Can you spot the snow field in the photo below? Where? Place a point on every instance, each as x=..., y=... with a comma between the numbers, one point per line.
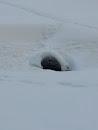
x=40, y=101
x=33, y=98
x=19, y=42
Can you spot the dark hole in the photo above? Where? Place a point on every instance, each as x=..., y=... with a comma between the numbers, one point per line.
x=51, y=63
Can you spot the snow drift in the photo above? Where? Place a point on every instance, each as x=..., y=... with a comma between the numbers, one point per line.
x=31, y=98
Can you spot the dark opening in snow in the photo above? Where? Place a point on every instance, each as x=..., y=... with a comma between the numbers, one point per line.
x=51, y=63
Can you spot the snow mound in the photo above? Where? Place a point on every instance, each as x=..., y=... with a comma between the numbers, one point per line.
x=64, y=60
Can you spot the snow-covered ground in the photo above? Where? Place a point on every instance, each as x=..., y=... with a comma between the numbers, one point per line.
x=33, y=98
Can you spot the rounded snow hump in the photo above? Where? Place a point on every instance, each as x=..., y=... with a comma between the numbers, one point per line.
x=52, y=61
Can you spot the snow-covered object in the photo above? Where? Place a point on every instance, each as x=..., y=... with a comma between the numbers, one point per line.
x=51, y=63
x=64, y=61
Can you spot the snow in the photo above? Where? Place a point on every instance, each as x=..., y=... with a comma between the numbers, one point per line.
x=29, y=101
x=64, y=61
x=33, y=98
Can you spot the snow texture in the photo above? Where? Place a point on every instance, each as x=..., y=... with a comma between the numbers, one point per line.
x=33, y=98
x=64, y=61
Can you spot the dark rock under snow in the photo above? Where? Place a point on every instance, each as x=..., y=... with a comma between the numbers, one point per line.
x=51, y=63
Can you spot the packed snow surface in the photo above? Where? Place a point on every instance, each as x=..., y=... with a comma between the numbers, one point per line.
x=33, y=98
